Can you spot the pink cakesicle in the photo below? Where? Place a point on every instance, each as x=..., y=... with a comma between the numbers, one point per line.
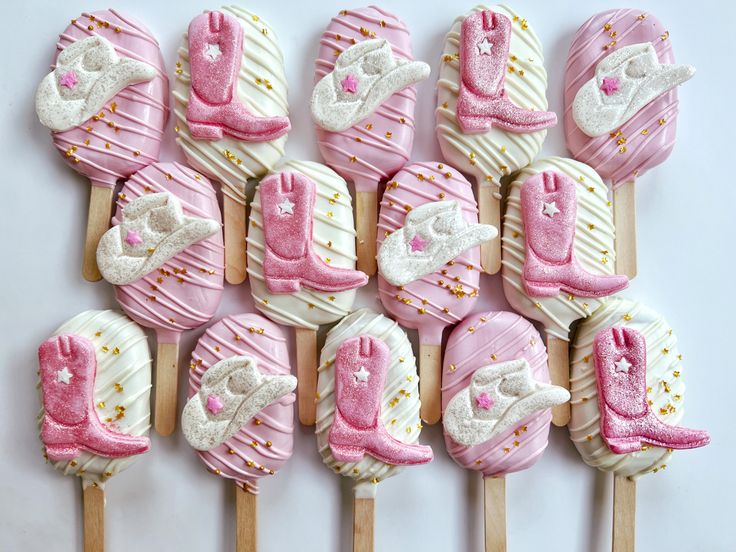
x=182, y=293
x=266, y=441
x=621, y=107
x=445, y=295
x=124, y=134
x=375, y=148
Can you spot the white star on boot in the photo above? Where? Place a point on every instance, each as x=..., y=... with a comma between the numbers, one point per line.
x=64, y=375
x=286, y=207
x=484, y=47
x=550, y=209
x=212, y=51
x=362, y=374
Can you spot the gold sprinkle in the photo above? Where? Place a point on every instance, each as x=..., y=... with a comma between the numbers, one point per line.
x=627, y=317
x=662, y=121
x=118, y=387
x=269, y=444
x=645, y=131
x=389, y=134
x=105, y=348
x=402, y=120
x=494, y=357
x=116, y=351
x=101, y=404
x=665, y=351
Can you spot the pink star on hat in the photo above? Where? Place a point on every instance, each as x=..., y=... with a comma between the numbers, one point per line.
x=133, y=238
x=214, y=404
x=610, y=85
x=69, y=79
x=484, y=401
x=417, y=243
x=349, y=84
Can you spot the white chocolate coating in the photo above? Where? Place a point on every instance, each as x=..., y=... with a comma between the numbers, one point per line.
x=261, y=87
x=333, y=240
x=665, y=388
x=593, y=246
x=399, y=406
x=497, y=152
x=123, y=380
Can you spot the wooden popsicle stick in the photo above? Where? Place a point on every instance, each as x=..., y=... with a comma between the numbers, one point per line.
x=489, y=212
x=235, y=228
x=624, y=219
x=93, y=498
x=366, y=223
x=494, y=502
x=624, y=514
x=167, y=376
x=363, y=522
x=559, y=374
x=246, y=521
x=430, y=375
x=306, y=374
x=98, y=222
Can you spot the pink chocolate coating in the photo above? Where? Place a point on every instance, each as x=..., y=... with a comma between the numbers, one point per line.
x=272, y=429
x=496, y=337
x=125, y=135
x=379, y=145
x=646, y=139
x=185, y=292
x=446, y=296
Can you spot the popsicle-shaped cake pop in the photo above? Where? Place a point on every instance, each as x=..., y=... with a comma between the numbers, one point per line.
x=429, y=260
x=240, y=413
x=627, y=400
x=368, y=409
x=231, y=110
x=95, y=382
x=105, y=102
x=496, y=401
x=165, y=257
x=621, y=107
x=558, y=256
x=301, y=259
x=491, y=112
x=363, y=107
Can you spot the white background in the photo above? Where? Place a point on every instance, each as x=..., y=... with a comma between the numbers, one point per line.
x=167, y=501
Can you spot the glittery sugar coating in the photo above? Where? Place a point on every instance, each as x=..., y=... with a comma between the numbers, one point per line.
x=70, y=422
x=646, y=139
x=445, y=296
x=624, y=83
x=290, y=262
x=627, y=422
x=549, y=209
x=214, y=108
x=357, y=428
x=482, y=102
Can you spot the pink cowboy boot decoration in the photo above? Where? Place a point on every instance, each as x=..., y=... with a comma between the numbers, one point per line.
x=215, y=52
x=482, y=101
x=361, y=365
x=287, y=202
x=627, y=421
x=70, y=423
x=549, y=207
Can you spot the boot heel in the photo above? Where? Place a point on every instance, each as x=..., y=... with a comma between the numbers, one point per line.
x=475, y=125
x=624, y=445
x=204, y=131
x=535, y=289
x=343, y=453
x=283, y=286
x=61, y=452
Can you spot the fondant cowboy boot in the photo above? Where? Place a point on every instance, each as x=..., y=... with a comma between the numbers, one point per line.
x=549, y=207
x=215, y=52
x=482, y=102
x=627, y=420
x=361, y=365
x=70, y=423
x=287, y=204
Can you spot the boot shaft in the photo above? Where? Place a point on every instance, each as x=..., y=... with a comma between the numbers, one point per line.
x=215, y=51
x=361, y=365
x=549, y=208
x=621, y=367
x=67, y=368
x=484, y=49
x=287, y=204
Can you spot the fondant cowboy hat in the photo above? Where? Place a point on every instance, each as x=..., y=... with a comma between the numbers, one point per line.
x=88, y=74
x=365, y=75
x=232, y=392
x=433, y=234
x=153, y=229
x=624, y=82
x=499, y=396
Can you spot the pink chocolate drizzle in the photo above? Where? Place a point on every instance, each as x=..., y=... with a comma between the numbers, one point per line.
x=185, y=292
x=508, y=336
x=238, y=458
